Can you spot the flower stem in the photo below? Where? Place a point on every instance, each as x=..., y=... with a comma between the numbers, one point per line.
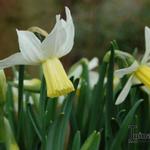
x=20, y=101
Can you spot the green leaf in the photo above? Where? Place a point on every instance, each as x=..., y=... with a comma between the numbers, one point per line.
x=51, y=110
x=35, y=122
x=115, y=45
x=109, y=100
x=29, y=135
x=98, y=101
x=42, y=105
x=83, y=102
x=76, y=141
x=9, y=108
x=58, y=129
x=92, y=142
x=124, y=127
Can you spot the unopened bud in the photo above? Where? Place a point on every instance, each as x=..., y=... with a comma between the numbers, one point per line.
x=32, y=85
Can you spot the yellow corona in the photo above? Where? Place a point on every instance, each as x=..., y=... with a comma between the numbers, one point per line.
x=56, y=78
x=143, y=74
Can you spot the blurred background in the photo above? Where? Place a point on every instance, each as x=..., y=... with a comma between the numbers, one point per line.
x=97, y=22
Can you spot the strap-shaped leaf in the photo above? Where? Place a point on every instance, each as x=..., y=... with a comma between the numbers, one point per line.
x=76, y=141
x=92, y=142
x=121, y=135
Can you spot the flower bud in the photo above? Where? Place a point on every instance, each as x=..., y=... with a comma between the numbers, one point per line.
x=32, y=85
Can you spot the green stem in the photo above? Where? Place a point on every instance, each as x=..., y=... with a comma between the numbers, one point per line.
x=109, y=101
x=20, y=89
x=20, y=101
x=43, y=103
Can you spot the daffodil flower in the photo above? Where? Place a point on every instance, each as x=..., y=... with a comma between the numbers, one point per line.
x=139, y=71
x=58, y=43
x=76, y=70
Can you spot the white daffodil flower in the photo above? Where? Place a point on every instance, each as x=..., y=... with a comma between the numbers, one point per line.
x=76, y=71
x=47, y=53
x=139, y=71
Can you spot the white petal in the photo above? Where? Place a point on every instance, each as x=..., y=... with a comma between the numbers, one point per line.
x=15, y=59
x=93, y=78
x=122, y=96
x=60, y=41
x=93, y=63
x=76, y=73
x=70, y=34
x=55, y=40
x=57, y=18
x=121, y=72
x=145, y=89
x=30, y=46
x=147, y=45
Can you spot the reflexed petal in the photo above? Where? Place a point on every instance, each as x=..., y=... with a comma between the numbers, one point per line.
x=93, y=78
x=122, y=96
x=60, y=41
x=70, y=34
x=147, y=43
x=76, y=72
x=54, y=42
x=93, y=63
x=15, y=59
x=30, y=46
x=121, y=72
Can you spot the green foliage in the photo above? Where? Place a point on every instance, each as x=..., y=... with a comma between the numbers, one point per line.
x=121, y=134
x=92, y=142
x=86, y=119
x=76, y=141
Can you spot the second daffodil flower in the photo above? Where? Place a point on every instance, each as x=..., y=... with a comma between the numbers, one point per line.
x=139, y=71
x=33, y=52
